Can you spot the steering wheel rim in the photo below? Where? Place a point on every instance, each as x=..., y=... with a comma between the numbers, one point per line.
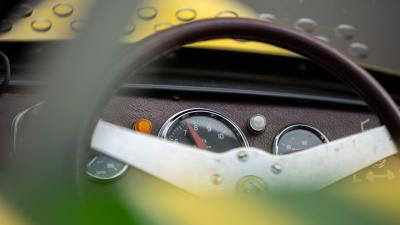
x=335, y=62
x=255, y=30
x=161, y=42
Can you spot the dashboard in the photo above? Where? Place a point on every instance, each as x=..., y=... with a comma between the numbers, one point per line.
x=286, y=127
x=237, y=113
x=212, y=100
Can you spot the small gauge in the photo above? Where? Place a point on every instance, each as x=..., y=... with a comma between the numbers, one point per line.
x=296, y=138
x=104, y=168
x=204, y=129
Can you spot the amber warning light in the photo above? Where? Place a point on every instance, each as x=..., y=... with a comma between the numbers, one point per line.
x=143, y=126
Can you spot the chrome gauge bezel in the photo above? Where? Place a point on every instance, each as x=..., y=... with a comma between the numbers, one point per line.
x=173, y=120
x=321, y=136
x=104, y=179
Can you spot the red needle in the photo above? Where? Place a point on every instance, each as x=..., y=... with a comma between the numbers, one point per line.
x=196, y=137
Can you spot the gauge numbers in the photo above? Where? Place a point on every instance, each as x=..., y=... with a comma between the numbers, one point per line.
x=104, y=168
x=296, y=138
x=204, y=129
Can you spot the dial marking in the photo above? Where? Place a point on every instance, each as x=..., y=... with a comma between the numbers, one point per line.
x=196, y=137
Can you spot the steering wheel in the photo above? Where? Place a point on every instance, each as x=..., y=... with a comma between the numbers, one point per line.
x=335, y=160
x=204, y=172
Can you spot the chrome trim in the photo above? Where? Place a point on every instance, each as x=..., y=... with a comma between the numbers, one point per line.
x=16, y=124
x=312, y=129
x=202, y=111
x=102, y=178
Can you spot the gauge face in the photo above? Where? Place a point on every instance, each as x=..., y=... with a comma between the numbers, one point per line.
x=105, y=168
x=296, y=138
x=204, y=129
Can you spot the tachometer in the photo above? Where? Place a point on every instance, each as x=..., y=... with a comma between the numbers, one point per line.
x=204, y=129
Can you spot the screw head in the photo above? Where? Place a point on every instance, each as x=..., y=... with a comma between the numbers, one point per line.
x=380, y=164
x=242, y=156
x=176, y=97
x=276, y=168
x=216, y=179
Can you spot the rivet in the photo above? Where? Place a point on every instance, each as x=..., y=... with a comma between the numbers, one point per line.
x=380, y=164
x=77, y=25
x=129, y=29
x=359, y=50
x=24, y=10
x=323, y=38
x=63, y=9
x=345, y=31
x=306, y=24
x=242, y=156
x=162, y=26
x=41, y=24
x=276, y=168
x=5, y=26
x=147, y=13
x=227, y=13
x=267, y=17
x=216, y=179
x=186, y=14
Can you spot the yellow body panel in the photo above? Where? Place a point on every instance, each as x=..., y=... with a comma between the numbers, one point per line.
x=143, y=23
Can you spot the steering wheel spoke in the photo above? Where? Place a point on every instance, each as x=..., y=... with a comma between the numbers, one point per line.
x=181, y=165
x=318, y=167
x=202, y=172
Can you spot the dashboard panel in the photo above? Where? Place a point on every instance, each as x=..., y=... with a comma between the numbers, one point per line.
x=317, y=121
x=285, y=91
x=334, y=122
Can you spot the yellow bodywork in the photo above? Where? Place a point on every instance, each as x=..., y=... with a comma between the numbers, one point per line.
x=55, y=24
x=51, y=21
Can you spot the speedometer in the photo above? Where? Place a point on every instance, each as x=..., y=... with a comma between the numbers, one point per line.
x=205, y=129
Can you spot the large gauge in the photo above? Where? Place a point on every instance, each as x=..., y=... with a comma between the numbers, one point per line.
x=204, y=129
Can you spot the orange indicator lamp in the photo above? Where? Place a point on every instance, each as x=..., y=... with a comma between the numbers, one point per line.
x=143, y=126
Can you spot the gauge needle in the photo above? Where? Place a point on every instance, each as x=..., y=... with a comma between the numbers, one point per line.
x=196, y=137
